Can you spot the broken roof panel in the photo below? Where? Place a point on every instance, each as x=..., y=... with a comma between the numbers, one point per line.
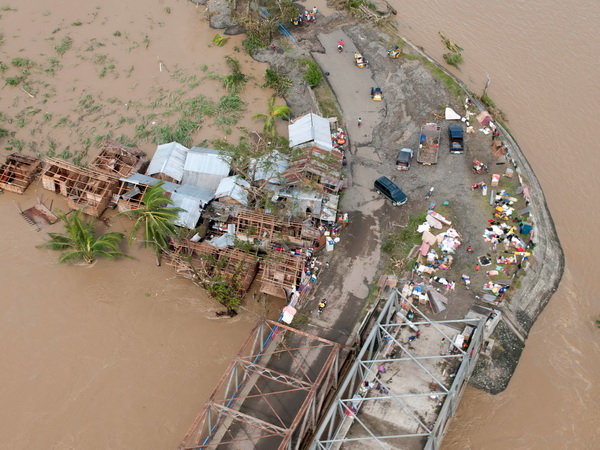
x=310, y=128
x=271, y=167
x=169, y=160
x=235, y=188
x=190, y=198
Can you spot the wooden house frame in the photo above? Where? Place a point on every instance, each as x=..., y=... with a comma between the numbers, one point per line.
x=86, y=189
x=207, y=258
x=117, y=159
x=317, y=166
x=262, y=226
x=17, y=173
x=130, y=196
x=281, y=274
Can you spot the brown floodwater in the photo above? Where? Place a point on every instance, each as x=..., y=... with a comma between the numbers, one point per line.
x=122, y=354
x=542, y=59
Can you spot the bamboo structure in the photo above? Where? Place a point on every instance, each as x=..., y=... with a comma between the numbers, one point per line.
x=86, y=189
x=191, y=258
x=262, y=226
x=319, y=166
x=117, y=159
x=17, y=173
x=281, y=274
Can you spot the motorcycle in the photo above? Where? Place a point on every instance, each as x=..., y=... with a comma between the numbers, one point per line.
x=321, y=307
x=429, y=194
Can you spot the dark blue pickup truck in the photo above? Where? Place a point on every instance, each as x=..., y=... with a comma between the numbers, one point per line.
x=457, y=143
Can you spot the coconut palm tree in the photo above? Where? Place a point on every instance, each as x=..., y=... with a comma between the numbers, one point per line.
x=275, y=112
x=79, y=242
x=157, y=217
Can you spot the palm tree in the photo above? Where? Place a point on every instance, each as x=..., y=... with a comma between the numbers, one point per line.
x=275, y=112
x=79, y=242
x=157, y=216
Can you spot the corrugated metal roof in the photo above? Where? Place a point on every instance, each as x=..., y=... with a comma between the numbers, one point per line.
x=310, y=128
x=233, y=187
x=169, y=159
x=271, y=167
x=190, y=198
x=206, y=160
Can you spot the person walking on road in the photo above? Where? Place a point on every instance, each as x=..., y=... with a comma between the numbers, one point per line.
x=359, y=121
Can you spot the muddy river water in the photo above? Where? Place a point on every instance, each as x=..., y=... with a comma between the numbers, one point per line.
x=542, y=59
x=123, y=355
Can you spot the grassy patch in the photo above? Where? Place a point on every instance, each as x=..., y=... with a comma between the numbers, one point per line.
x=441, y=75
x=327, y=101
x=400, y=241
x=312, y=72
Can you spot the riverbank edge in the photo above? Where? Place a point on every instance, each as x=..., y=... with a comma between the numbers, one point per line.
x=543, y=274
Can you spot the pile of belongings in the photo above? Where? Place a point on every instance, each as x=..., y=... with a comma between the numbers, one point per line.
x=503, y=205
x=502, y=233
x=496, y=289
x=506, y=259
x=449, y=241
x=414, y=292
x=338, y=138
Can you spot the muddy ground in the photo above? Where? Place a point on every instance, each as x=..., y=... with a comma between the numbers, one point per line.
x=413, y=96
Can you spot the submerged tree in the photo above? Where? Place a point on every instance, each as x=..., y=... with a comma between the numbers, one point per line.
x=275, y=112
x=156, y=215
x=79, y=242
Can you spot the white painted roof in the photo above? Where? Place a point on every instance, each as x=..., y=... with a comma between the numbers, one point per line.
x=310, y=128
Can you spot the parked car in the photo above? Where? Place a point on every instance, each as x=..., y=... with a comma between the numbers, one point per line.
x=389, y=189
x=404, y=159
x=455, y=133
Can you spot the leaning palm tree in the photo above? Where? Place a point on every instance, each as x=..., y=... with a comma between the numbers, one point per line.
x=157, y=216
x=275, y=112
x=79, y=242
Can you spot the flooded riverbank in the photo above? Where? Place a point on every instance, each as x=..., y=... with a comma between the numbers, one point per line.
x=548, y=94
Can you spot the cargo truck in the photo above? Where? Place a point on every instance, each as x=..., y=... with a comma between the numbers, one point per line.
x=429, y=144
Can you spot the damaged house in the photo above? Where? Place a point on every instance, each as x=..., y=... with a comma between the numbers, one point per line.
x=17, y=173
x=315, y=162
x=193, y=259
x=117, y=159
x=189, y=198
x=86, y=189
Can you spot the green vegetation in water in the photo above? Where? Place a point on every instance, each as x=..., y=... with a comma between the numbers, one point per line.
x=236, y=79
x=14, y=81
x=22, y=62
x=312, y=73
x=65, y=45
x=453, y=59
x=79, y=242
x=220, y=40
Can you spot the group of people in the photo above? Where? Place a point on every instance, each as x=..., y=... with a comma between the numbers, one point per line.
x=308, y=16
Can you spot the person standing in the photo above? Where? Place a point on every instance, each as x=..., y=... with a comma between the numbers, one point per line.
x=359, y=121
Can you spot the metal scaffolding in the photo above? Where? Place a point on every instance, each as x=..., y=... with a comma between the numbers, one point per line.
x=403, y=386
x=272, y=393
